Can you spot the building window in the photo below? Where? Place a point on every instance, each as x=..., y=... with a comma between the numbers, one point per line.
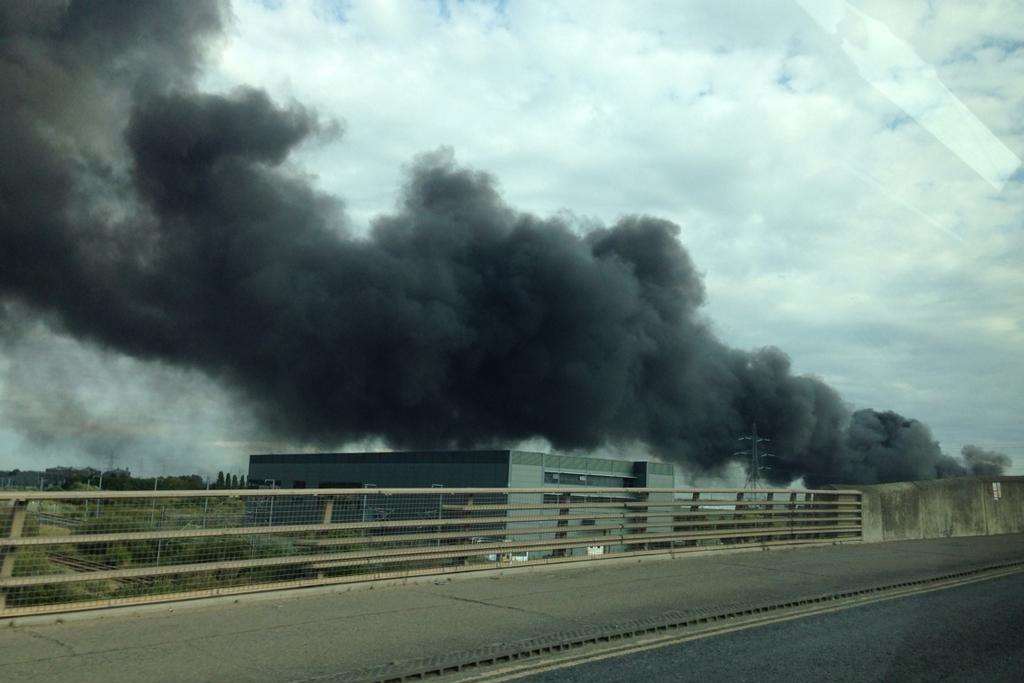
x=570, y=479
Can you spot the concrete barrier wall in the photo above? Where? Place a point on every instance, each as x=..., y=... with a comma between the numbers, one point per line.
x=943, y=508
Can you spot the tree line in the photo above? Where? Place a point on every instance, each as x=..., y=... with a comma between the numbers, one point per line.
x=226, y=480
x=89, y=478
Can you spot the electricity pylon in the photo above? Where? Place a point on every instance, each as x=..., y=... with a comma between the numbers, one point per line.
x=757, y=456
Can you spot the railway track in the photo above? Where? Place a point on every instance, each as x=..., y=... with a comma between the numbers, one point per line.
x=81, y=565
x=58, y=520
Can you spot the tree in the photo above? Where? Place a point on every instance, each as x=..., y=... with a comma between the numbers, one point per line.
x=220, y=481
x=234, y=481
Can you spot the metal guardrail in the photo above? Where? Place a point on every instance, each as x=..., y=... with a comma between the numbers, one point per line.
x=64, y=551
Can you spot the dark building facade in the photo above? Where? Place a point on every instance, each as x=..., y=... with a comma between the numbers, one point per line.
x=453, y=469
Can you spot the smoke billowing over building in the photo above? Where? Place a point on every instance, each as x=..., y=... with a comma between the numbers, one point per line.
x=145, y=216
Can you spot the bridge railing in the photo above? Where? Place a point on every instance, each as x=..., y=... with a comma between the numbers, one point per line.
x=65, y=551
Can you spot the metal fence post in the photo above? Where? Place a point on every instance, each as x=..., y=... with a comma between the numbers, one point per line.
x=468, y=528
x=326, y=519
x=563, y=499
x=206, y=504
x=160, y=541
x=440, y=510
x=18, y=510
x=860, y=515
x=792, y=510
x=695, y=498
x=680, y=522
x=328, y=510
x=639, y=530
x=769, y=510
x=814, y=519
x=738, y=514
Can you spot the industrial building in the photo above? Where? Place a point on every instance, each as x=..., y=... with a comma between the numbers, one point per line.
x=453, y=469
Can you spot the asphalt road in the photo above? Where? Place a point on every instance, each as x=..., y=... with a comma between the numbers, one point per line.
x=969, y=633
x=301, y=635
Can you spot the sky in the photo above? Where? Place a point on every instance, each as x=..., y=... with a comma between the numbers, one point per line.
x=850, y=192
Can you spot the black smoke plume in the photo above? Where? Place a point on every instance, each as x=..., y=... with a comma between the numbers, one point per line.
x=164, y=223
x=983, y=463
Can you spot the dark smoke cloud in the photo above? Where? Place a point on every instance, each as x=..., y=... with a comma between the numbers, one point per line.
x=185, y=237
x=889, y=447
x=983, y=463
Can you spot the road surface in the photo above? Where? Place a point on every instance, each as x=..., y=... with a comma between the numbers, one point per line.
x=969, y=633
x=307, y=634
